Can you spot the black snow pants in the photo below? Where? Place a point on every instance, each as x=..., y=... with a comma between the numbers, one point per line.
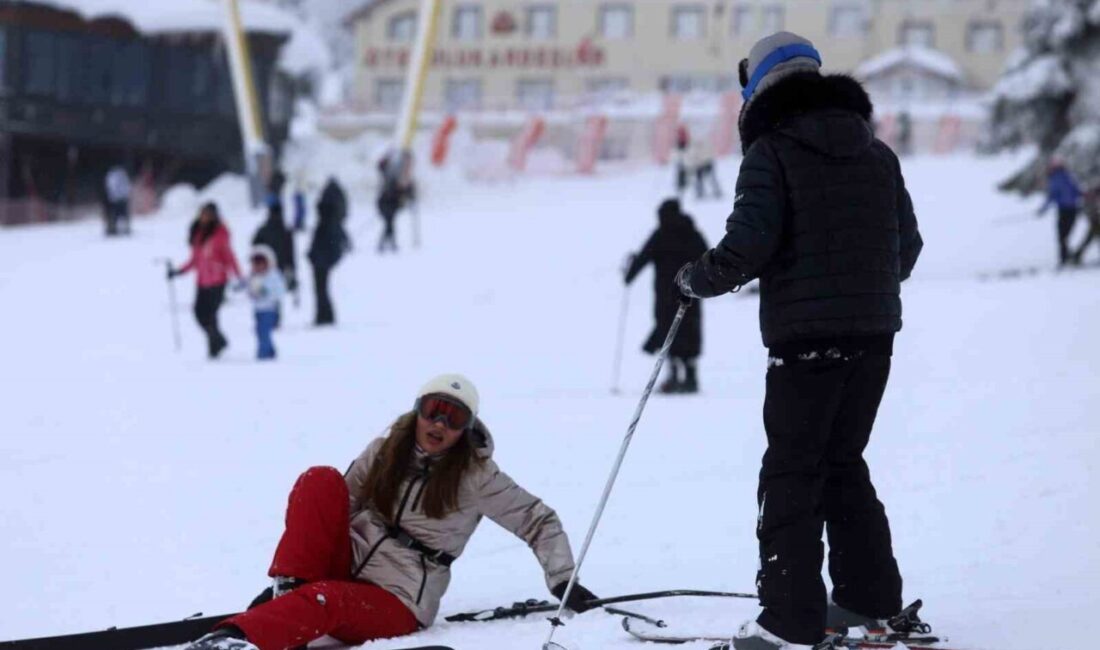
x=819, y=409
x=207, y=302
x=1066, y=218
x=325, y=313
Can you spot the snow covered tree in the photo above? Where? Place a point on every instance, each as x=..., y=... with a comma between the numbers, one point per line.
x=1049, y=95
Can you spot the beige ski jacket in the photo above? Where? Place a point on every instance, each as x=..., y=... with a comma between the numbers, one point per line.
x=411, y=575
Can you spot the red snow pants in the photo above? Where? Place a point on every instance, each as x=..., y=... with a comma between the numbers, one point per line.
x=316, y=547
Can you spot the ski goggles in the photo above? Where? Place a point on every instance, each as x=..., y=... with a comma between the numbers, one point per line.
x=437, y=408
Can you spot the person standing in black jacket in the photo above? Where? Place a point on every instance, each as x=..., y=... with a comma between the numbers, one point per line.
x=823, y=219
x=275, y=234
x=330, y=242
x=674, y=243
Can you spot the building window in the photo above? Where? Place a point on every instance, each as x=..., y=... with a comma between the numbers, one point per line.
x=741, y=20
x=535, y=94
x=682, y=84
x=3, y=57
x=847, y=21
x=984, y=36
x=617, y=21
x=606, y=87
x=402, y=27
x=38, y=63
x=463, y=94
x=130, y=72
x=466, y=23
x=917, y=33
x=68, y=74
x=688, y=22
x=388, y=94
x=542, y=21
x=771, y=21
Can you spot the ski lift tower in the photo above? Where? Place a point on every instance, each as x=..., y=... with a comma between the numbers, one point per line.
x=417, y=73
x=257, y=153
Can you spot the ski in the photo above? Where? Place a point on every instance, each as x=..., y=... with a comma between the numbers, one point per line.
x=126, y=638
x=534, y=606
x=851, y=643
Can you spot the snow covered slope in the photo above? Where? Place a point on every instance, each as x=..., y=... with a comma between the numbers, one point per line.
x=142, y=485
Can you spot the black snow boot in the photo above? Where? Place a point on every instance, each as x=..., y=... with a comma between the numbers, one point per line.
x=905, y=623
x=691, y=379
x=672, y=383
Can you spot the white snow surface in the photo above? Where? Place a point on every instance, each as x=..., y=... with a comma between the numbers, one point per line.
x=925, y=58
x=143, y=485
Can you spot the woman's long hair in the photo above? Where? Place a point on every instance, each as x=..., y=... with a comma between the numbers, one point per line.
x=204, y=231
x=393, y=464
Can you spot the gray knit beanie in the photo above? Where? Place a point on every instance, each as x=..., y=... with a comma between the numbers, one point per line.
x=774, y=57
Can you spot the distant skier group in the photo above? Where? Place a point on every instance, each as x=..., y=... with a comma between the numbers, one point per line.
x=272, y=269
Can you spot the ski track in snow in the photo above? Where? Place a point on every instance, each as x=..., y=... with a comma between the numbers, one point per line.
x=141, y=485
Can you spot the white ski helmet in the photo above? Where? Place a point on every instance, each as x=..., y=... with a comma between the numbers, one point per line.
x=453, y=385
x=266, y=252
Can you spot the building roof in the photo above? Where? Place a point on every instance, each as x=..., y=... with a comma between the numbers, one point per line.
x=923, y=58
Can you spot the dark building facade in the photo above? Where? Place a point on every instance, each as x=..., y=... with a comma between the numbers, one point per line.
x=79, y=96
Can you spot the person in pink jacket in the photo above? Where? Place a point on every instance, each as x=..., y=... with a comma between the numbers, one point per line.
x=213, y=262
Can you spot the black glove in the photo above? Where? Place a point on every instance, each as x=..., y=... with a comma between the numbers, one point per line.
x=683, y=283
x=172, y=273
x=578, y=598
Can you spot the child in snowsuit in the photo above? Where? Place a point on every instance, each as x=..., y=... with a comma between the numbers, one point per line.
x=265, y=289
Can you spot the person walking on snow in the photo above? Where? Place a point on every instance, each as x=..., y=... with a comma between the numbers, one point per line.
x=368, y=555
x=330, y=242
x=823, y=219
x=701, y=161
x=213, y=261
x=275, y=235
x=1062, y=192
x=674, y=243
x=118, y=188
x=266, y=289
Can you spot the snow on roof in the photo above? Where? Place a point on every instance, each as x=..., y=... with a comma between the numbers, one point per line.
x=151, y=17
x=304, y=51
x=915, y=55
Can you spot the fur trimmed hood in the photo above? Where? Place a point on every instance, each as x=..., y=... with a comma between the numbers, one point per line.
x=842, y=98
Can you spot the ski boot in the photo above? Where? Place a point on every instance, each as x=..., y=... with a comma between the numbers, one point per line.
x=752, y=636
x=279, y=586
x=906, y=624
x=690, y=386
x=227, y=638
x=671, y=385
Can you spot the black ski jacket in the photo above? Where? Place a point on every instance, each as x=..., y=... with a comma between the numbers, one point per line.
x=821, y=216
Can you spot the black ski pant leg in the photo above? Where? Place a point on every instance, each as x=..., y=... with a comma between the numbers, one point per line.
x=864, y=572
x=1066, y=219
x=207, y=302
x=325, y=314
x=800, y=406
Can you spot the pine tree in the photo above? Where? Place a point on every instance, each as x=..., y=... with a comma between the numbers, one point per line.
x=1049, y=95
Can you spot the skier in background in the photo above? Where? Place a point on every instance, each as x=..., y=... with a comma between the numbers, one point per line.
x=674, y=243
x=118, y=189
x=380, y=568
x=330, y=242
x=396, y=189
x=213, y=260
x=683, y=142
x=701, y=161
x=1062, y=192
x=823, y=219
x=265, y=289
x=275, y=235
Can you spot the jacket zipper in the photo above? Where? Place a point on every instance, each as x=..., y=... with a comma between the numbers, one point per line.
x=400, y=511
x=423, y=578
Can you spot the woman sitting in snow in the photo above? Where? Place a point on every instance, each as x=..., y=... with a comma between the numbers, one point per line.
x=379, y=568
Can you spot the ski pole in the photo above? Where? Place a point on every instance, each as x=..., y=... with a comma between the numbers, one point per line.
x=555, y=622
x=617, y=368
x=416, y=221
x=172, y=306
x=535, y=606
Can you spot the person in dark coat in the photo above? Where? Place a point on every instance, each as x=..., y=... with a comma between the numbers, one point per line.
x=823, y=219
x=277, y=236
x=1062, y=192
x=330, y=242
x=397, y=189
x=674, y=243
